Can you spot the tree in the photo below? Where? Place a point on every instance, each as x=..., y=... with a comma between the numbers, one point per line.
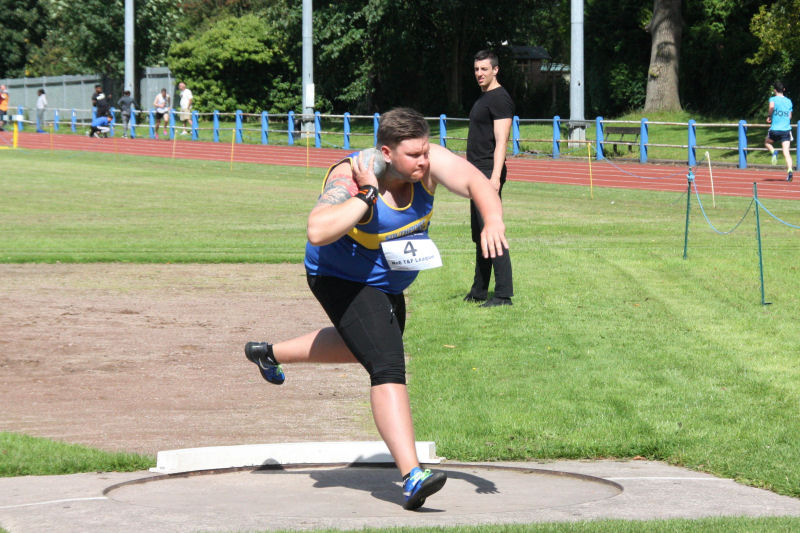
x=383, y=53
x=716, y=77
x=86, y=37
x=23, y=27
x=239, y=63
x=617, y=53
x=776, y=28
x=201, y=14
x=665, y=28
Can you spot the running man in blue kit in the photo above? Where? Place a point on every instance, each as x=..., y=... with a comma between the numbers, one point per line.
x=779, y=117
x=367, y=241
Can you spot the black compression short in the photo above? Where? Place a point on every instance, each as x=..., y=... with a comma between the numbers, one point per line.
x=370, y=321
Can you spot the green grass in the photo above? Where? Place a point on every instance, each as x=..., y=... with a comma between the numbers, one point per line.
x=728, y=525
x=81, y=208
x=615, y=346
x=21, y=455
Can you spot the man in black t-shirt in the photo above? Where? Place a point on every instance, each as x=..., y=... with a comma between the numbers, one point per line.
x=101, y=104
x=489, y=130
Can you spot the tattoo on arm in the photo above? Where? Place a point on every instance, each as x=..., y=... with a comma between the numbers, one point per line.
x=338, y=189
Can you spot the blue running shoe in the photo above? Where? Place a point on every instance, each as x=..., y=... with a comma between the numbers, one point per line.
x=789, y=176
x=260, y=353
x=421, y=484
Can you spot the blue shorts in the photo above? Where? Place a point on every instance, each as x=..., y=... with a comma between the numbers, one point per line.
x=780, y=136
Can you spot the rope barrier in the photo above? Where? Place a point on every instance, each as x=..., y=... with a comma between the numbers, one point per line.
x=678, y=173
x=702, y=210
x=762, y=206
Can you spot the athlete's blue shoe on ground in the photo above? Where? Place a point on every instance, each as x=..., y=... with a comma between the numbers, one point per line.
x=421, y=484
x=260, y=353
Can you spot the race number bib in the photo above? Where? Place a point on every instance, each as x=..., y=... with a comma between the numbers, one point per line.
x=411, y=254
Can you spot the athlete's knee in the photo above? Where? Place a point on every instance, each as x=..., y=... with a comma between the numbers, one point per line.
x=389, y=372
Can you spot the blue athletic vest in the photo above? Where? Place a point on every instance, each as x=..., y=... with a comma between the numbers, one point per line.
x=781, y=114
x=358, y=256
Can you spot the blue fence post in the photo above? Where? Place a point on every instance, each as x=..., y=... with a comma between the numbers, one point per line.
x=556, y=136
x=797, y=148
x=692, y=142
x=113, y=119
x=239, y=126
x=132, y=122
x=443, y=130
x=376, y=119
x=20, y=116
x=215, y=125
x=290, y=128
x=515, y=135
x=55, y=120
x=73, y=120
x=644, y=140
x=152, y=116
x=171, y=124
x=346, y=130
x=600, y=138
x=195, y=125
x=264, y=127
x=317, y=130
x=94, y=112
x=742, y=144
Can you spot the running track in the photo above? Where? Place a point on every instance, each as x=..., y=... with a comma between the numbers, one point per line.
x=727, y=181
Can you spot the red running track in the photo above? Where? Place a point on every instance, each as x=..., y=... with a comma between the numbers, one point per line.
x=727, y=181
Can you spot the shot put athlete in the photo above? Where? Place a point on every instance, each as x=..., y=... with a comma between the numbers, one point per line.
x=367, y=241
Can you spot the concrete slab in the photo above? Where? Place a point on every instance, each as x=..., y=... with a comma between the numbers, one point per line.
x=291, y=453
x=306, y=498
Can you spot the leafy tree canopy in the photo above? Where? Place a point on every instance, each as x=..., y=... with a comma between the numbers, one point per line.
x=22, y=28
x=88, y=36
x=239, y=63
x=370, y=55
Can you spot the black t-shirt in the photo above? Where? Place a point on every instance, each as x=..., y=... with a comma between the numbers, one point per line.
x=492, y=105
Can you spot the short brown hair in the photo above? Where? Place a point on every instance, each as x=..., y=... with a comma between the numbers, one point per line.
x=399, y=124
x=487, y=54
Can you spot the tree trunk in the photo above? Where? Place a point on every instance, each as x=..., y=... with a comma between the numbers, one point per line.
x=453, y=78
x=662, y=76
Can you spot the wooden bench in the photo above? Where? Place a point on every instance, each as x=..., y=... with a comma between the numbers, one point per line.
x=622, y=131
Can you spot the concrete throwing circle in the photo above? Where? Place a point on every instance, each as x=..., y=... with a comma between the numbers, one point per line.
x=349, y=496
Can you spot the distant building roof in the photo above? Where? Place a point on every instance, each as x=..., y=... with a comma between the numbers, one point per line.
x=529, y=52
x=555, y=67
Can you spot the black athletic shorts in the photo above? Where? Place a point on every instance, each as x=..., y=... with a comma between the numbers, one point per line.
x=370, y=321
x=780, y=136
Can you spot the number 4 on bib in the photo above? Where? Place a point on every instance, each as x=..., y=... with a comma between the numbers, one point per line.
x=411, y=254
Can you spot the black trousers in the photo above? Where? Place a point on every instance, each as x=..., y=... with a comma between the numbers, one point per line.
x=503, y=278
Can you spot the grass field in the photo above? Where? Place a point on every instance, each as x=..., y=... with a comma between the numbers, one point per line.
x=615, y=347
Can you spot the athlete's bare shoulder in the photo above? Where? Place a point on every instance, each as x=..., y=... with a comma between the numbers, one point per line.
x=340, y=185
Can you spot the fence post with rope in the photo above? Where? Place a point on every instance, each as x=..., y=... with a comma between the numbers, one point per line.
x=689, y=180
x=760, y=255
